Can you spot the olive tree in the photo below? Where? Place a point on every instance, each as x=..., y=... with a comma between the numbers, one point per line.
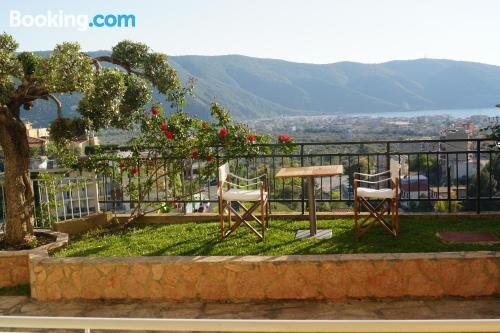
x=111, y=96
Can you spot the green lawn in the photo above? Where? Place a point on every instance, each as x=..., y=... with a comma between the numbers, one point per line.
x=202, y=239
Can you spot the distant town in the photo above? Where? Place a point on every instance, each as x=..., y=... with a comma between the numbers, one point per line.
x=361, y=128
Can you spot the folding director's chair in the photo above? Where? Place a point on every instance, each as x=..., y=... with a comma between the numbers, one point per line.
x=388, y=201
x=230, y=193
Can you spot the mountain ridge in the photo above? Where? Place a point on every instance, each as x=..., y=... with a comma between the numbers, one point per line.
x=259, y=87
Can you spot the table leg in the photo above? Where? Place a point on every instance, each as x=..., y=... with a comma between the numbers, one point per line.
x=312, y=205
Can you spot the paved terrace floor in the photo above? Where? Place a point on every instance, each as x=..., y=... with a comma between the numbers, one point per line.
x=444, y=308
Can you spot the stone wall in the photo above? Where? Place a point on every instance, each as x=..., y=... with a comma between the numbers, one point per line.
x=261, y=278
x=14, y=269
x=84, y=224
x=14, y=265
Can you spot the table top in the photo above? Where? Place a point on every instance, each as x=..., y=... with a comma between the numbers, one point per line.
x=323, y=170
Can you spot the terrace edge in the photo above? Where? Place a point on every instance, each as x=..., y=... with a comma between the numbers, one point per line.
x=314, y=277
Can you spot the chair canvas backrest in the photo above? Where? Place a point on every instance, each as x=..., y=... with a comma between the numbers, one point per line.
x=394, y=169
x=223, y=172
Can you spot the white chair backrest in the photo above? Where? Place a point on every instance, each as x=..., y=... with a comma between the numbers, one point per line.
x=223, y=172
x=394, y=168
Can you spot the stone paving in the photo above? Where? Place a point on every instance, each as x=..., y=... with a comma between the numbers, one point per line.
x=429, y=308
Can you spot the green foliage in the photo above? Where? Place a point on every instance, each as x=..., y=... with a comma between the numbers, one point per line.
x=424, y=163
x=493, y=131
x=443, y=206
x=10, y=67
x=31, y=241
x=130, y=53
x=67, y=129
x=137, y=57
x=67, y=69
x=29, y=61
x=101, y=103
x=65, y=157
x=8, y=43
x=169, y=142
x=163, y=77
x=137, y=94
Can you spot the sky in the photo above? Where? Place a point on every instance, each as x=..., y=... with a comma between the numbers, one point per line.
x=310, y=31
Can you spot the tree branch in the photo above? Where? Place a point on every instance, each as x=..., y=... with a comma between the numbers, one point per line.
x=58, y=104
x=4, y=114
x=97, y=65
x=118, y=63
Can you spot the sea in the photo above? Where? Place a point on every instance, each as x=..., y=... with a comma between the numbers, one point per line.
x=459, y=113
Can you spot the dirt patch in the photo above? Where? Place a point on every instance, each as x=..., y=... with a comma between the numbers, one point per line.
x=41, y=239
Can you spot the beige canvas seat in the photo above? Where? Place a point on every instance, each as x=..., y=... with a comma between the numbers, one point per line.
x=387, y=205
x=252, y=190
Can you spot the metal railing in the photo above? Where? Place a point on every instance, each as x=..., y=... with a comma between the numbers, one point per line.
x=58, y=199
x=445, y=175
x=251, y=325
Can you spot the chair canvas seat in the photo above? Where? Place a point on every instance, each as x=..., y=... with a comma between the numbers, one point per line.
x=235, y=194
x=383, y=193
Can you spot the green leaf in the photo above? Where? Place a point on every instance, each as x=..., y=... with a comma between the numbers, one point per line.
x=101, y=104
x=67, y=69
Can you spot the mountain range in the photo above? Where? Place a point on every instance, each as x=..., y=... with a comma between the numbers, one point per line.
x=260, y=88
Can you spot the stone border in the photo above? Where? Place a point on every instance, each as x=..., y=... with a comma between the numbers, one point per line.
x=315, y=277
x=61, y=240
x=84, y=224
x=14, y=265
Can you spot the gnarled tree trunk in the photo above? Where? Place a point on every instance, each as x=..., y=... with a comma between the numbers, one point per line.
x=18, y=187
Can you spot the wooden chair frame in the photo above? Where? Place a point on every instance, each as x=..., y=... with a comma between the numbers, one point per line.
x=379, y=212
x=248, y=213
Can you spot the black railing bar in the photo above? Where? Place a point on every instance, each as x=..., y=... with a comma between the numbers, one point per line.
x=336, y=143
x=318, y=200
x=340, y=154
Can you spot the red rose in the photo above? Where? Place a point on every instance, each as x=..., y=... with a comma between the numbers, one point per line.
x=155, y=111
x=134, y=170
x=163, y=126
x=251, y=138
x=175, y=204
x=284, y=138
x=204, y=124
x=169, y=135
x=123, y=165
x=195, y=154
x=208, y=158
x=223, y=132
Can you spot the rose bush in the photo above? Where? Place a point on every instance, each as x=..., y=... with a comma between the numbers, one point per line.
x=172, y=141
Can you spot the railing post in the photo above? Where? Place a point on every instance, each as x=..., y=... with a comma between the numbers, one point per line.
x=387, y=155
x=217, y=180
x=303, y=201
x=448, y=180
x=96, y=193
x=478, y=177
x=388, y=160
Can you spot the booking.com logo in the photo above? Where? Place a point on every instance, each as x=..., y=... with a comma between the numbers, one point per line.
x=61, y=20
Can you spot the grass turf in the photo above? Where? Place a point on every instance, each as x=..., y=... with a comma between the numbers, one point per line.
x=203, y=239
